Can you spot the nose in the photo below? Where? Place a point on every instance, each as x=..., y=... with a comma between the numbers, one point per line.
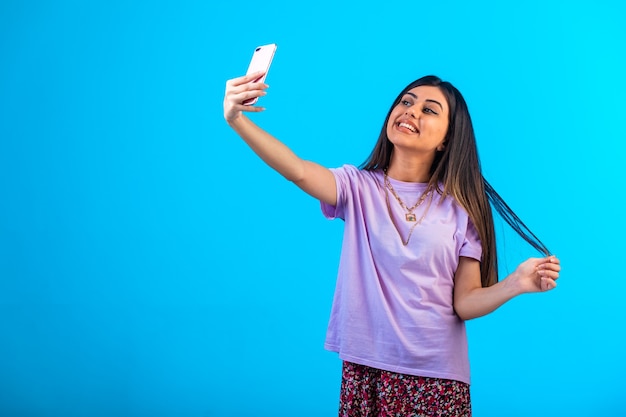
x=410, y=112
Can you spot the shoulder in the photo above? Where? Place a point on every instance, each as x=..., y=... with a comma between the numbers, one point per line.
x=450, y=205
x=354, y=173
x=347, y=169
x=355, y=181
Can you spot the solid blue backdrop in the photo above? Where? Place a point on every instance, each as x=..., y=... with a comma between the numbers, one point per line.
x=151, y=265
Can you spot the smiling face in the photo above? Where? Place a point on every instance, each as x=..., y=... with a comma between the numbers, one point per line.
x=420, y=121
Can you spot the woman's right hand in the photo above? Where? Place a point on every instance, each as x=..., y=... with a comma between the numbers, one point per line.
x=239, y=90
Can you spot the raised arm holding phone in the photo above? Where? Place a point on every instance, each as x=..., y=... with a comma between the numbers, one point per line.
x=419, y=251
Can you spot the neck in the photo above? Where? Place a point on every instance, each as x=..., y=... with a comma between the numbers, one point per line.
x=409, y=169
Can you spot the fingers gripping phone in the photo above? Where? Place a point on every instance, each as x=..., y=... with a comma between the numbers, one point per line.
x=261, y=61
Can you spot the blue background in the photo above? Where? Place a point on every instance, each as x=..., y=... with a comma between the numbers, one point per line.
x=151, y=265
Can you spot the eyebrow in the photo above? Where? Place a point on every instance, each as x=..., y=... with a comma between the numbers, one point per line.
x=428, y=99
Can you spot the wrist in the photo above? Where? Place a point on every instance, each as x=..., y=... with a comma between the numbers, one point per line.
x=512, y=284
x=232, y=121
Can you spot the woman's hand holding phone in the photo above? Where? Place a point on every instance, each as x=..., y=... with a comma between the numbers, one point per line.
x=243, y=92
x=239, y=91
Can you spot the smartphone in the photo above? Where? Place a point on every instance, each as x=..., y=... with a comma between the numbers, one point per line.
x=261, y=61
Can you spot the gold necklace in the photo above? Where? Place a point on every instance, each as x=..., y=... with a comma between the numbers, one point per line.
x=409, y=215
x=420, y=201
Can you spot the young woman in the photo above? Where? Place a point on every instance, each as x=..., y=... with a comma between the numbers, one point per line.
x=419, y=251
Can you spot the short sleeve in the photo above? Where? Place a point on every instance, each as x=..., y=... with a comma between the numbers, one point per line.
x=471, y=247
x=342, y=181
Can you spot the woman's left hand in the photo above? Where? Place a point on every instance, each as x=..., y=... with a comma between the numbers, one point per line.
x=537, y=274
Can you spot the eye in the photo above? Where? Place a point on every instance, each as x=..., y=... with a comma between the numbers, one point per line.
x=406, y=102
x=429, y=110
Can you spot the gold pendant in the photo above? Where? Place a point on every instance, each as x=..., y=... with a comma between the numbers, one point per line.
x=410, y=217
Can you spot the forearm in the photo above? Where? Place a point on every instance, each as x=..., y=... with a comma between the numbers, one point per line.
x=276, y=154
x=471, y=300
x=484, y=300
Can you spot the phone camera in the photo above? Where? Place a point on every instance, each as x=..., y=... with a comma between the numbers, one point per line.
x=257, y=49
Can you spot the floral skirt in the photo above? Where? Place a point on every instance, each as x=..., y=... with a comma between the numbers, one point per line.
x=370, y=392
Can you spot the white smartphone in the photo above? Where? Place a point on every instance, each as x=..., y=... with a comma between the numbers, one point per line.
x=261, y=61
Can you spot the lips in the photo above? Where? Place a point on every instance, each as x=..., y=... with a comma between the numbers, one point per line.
x=406, y=125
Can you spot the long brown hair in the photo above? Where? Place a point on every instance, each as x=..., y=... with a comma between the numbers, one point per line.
x=457, y=167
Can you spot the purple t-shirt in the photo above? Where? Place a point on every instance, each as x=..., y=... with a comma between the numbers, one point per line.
x=392, y=308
